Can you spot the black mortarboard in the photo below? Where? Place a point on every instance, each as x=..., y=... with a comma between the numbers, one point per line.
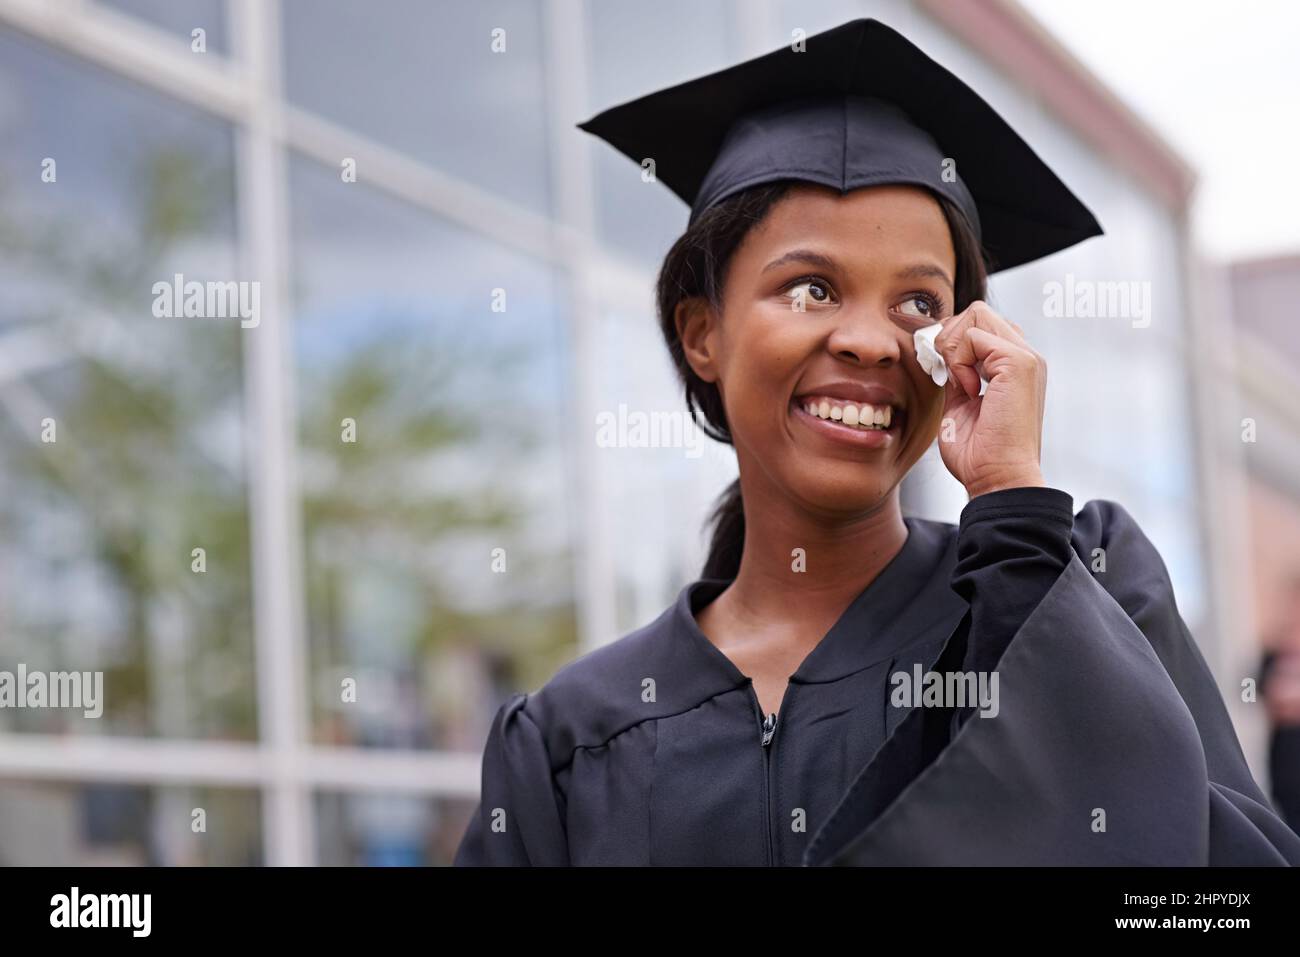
x=862, y=106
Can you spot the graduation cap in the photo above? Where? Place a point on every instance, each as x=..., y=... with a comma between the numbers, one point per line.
x=861, y=106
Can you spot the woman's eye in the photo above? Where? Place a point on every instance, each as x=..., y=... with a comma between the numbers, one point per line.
x=809, y=290
x=925, y=307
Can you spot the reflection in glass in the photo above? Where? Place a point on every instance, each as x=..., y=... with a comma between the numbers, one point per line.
x=181, y=17
x=389, y=830
x=490, y=132
x=627, y=55
x=432, y=430
x=120, y=432
x=113, y=825
x=662, y=488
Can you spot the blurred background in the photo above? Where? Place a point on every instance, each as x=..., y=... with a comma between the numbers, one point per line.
x=473, y=299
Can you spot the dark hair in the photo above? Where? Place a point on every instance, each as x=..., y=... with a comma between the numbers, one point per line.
x=697, y=266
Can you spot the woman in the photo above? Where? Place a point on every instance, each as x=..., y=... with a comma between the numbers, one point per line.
x=845, y=684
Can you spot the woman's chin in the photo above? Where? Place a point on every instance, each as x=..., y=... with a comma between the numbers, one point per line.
x=846, y=488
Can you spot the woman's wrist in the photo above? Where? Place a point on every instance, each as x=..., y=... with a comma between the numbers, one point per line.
x=1018, y=478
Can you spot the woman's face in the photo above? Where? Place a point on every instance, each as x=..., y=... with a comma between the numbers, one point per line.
x=867, y=269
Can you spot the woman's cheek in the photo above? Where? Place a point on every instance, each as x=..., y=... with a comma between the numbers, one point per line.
x=766, y=356
x=743, y=383
x=930, y=421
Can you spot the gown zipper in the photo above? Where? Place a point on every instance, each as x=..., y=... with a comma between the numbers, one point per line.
x=767, y=731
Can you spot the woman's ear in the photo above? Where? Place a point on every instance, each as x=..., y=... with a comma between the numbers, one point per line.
x=696, y=322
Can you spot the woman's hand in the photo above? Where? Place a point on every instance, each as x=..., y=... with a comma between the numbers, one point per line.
x=992, y=441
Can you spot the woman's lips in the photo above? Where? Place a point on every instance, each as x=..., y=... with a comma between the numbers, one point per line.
x=852, y=435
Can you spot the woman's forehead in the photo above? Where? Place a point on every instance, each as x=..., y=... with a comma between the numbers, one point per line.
x=886, y=219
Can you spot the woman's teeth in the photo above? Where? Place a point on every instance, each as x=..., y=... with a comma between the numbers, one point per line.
x=859, y=415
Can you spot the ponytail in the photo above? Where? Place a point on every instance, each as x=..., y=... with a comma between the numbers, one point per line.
x=728, y=539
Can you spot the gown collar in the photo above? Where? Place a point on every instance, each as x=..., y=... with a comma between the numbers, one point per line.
x=910, y=598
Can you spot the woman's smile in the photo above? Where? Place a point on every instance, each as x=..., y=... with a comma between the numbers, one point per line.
x=856, y=414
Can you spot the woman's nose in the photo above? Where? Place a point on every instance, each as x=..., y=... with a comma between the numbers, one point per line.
x=865, y=336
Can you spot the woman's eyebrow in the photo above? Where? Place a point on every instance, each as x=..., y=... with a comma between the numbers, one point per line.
x=820, y=261
x=802, y=256
x=924, y=271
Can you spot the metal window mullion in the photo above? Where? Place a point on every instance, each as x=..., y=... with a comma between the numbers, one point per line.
x=129, y=48
x=574, y=201
x=288, y=830
x=152, y=761
x=162, y=762
x=422, y=186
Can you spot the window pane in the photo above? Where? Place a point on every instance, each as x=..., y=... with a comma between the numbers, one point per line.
x=636, y=48
x=661, y=471
x=112, y=825
x=442, y=96
x=395, y=830
x=435, y=493
x=181, y=17
x=120, y=432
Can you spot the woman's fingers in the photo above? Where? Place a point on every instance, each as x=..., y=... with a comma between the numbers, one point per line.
x=1000, y=442
x=977, y=339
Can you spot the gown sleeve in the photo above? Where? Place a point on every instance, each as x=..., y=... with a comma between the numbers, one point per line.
x=518, y=821
x=1110, y=744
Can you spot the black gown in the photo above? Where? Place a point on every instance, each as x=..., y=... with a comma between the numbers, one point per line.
x=1110, y=743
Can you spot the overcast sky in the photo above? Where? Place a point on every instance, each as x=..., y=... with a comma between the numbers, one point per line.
x=1221, y=83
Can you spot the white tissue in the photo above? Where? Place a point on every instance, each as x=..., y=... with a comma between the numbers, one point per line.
x=928, y=356
x=931, y=362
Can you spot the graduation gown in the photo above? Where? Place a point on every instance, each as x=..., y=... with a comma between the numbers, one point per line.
x=1110, y=744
